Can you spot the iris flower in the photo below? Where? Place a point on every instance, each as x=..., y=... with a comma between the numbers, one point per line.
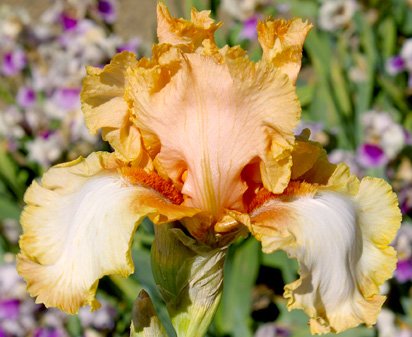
x=204, y=136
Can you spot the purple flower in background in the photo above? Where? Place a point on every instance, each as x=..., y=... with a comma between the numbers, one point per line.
x=107, y=10
x=249, y=28
x=371, y=155
x=9, y=309
x=130, y=45
x=67, y=98
x=395, y=65
x=68, y=22
x=101, y=319
x=2, y=333
x=408, y=137
x=47, y=332
x=405, y=200
x=272, y=330
x=282, y=332
x=26, y=97
x=13, y=62
x=403, y=272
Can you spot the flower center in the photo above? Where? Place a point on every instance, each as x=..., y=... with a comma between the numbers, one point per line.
x=138, y=176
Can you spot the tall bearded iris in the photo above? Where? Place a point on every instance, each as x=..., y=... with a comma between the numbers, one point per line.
x=203, y=141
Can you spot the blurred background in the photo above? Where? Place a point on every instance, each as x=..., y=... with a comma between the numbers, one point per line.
x=355, y=89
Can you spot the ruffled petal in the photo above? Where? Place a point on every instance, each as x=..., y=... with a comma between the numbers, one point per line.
x=224, y=115
x=282, y=43
x=78, y=226
x=310, y=161
x=177, y=31
x=341, y=241
x=105, y=107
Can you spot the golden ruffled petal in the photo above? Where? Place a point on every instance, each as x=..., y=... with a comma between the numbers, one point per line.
x=105, y=107
x=282, y=43
x=177, y=31
x=341, y=241
x=310, y=161
x=224, y=115
x=78, y=225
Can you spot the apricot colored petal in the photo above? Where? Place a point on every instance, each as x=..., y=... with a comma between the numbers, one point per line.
x=282, y=43
x=78, y=226
x=177, y=31
x=342, y=244
x=212, y=119
x=106, y=109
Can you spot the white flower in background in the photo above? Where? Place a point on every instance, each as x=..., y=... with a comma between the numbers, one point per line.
x=406, y=54
x=10, y=119
x=11, y=284
x=272, y=330
x=403, y=242
x=335, y=14
x=386, y=324
x=11, y=230
x=349, y=158
x=101, y=319
x=387, y=328
x=45, y=149
x=242, y=9
x=12, y=21
x=383, y=131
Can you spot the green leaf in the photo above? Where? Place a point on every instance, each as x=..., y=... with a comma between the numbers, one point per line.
x=9, y=174
x=73, y=325
x=364, y=90
x=241, y=270
x=387, y=33
x=394, y=93
x=8, y=209
x=340, y=88
x=305, y=94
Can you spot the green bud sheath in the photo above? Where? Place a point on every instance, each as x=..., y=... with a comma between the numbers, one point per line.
x=189, y=276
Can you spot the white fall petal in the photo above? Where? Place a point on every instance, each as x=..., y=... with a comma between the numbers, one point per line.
x=342, y=247
x=78, y=226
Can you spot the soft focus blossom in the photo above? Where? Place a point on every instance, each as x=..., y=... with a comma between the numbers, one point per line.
x=371, y=155
x=26, y=97
x=45, y=149
x=349, y=158
x=406, y=54
x=10, y=123
x=107, y=10
x=101, y=319
x=242, y=9
x=383, y=138
x=13, y=62
x=249, y=28
x=387, y=326
x=204, y=136
x=395, y=65
x=272, y=330
x=131, y=45
x=403, y=246
x=11, y=230
x=336, y=14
